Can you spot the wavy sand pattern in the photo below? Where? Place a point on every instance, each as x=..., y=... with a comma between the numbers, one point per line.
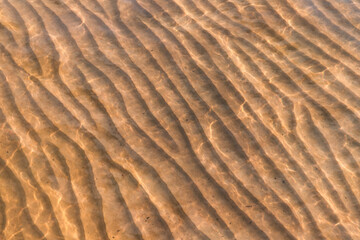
x=179, y=119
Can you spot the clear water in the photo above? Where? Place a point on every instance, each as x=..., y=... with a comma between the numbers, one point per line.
x=179, y=119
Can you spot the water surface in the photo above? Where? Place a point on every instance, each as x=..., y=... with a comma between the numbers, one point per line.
x=179, y=119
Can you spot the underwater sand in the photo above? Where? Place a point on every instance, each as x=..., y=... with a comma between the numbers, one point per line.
x=179, y=119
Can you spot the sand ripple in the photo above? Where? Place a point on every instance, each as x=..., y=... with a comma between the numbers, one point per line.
x=179, y=119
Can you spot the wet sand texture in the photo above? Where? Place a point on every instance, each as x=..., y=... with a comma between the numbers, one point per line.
x=179, y=119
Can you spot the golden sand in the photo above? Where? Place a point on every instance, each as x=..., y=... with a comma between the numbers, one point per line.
x=179, y=119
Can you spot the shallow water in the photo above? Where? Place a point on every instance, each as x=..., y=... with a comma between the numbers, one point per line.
x=179, y=119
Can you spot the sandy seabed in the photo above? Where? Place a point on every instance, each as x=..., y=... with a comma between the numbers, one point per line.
x=179, y=119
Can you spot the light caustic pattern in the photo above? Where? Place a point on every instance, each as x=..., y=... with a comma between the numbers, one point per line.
x=179, y=119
